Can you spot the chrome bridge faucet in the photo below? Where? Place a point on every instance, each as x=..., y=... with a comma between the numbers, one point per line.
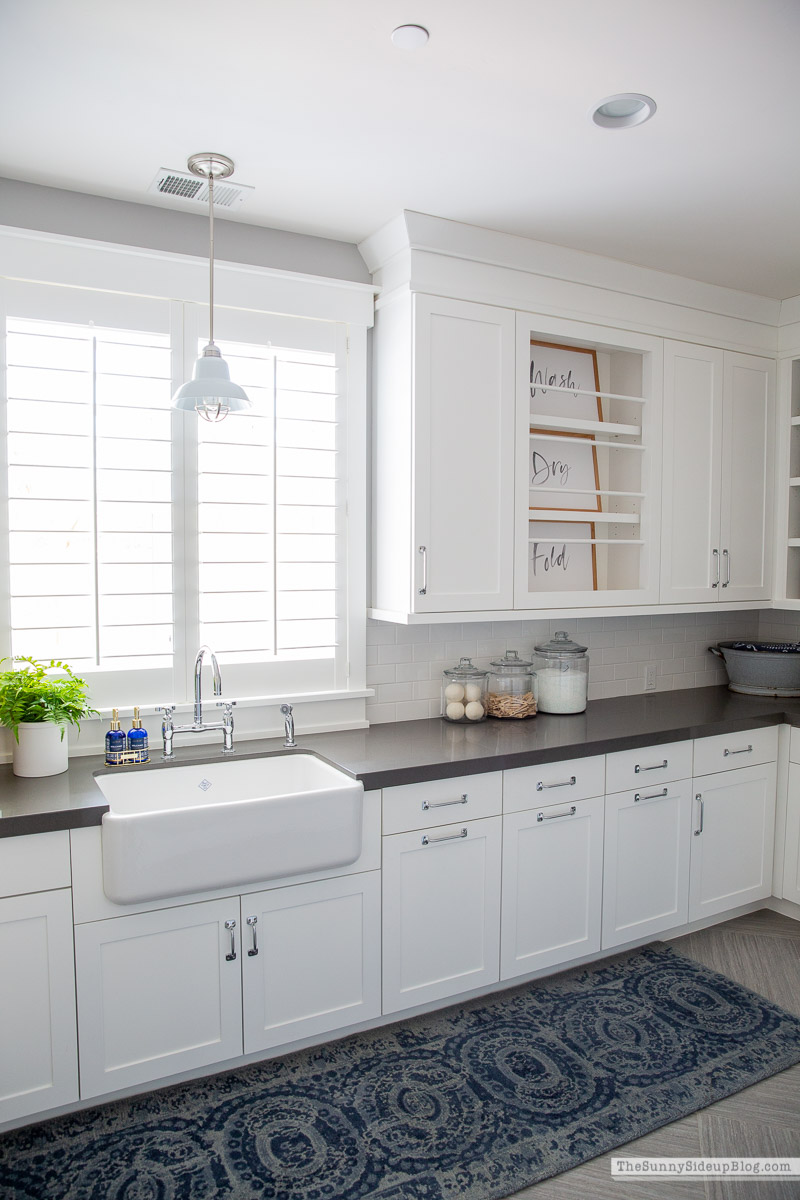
x=169, y=729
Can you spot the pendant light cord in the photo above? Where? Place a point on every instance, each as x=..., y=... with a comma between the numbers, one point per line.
x=211, y=258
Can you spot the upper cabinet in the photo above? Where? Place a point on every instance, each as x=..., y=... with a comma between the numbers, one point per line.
x=443, y=491
x=540, y=448
x=716, y=539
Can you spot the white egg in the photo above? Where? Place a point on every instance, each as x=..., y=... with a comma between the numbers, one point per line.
x=473, y=691
x=455, y=710
x=474, y=710
x=454, y=691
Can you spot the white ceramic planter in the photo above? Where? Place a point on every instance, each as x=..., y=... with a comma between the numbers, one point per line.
x=40, y=750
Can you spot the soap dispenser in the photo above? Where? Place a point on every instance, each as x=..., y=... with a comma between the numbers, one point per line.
x=116, y=741
x=137, y=740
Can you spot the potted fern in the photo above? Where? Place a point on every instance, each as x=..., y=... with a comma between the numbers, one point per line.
x=37, y=706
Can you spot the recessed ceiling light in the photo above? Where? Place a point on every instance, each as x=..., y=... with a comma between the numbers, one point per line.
x=409, y=37
x=623, y=110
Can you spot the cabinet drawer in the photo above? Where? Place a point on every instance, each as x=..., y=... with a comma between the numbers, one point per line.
x=34, y=862
x=648, y=765
x=728, y=751
x=553, y=783
x=441, y=801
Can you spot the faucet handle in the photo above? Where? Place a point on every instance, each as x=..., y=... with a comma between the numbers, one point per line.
x=167, y=710
x=286, y=710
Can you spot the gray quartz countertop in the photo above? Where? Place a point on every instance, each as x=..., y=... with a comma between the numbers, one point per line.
x=415, y=751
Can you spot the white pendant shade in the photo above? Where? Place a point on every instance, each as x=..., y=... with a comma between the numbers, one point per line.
x=210, y=391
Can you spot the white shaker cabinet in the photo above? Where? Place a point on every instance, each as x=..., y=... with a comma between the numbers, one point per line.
x=443, y=424
x=158, y=993
x=441, y=912
x=311, y=959
x=552, y=885
x=791, y=851
x=646, y=863
x=38, y=1045
x=718, y=475
x=732, y=839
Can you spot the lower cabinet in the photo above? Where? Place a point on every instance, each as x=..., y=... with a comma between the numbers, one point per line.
x=165, y=992
x=791, y=856
x=646, y=869
x=552, y=885
x=38, y=1045
x=732, y=839
x=311, y=959
x=441, y=912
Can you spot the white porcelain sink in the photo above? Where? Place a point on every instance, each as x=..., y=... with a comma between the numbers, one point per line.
x=195, y=828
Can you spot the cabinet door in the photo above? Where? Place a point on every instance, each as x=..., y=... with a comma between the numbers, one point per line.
x=690, y=558
x=791, y=853
x=441, y=912
x=158, y=993
x=311, y=959
x=747, y=478
x=38, y=1043
x=733, y=839
x=463, y=456
x=646, y=873
x=552, y=886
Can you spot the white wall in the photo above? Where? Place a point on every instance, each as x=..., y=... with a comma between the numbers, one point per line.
x=52, y=210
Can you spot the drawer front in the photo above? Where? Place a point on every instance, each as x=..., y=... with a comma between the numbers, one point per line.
x=34, y=862
x=553, y=783
x=728, y=751
x=441, y=802
x=637, y=769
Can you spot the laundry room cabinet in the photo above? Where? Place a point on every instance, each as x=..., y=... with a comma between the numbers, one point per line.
x=718, y=475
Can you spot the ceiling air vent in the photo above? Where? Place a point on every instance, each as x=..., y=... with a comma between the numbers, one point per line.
x=180, y=185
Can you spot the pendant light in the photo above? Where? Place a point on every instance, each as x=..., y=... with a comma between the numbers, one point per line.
x=210, y=391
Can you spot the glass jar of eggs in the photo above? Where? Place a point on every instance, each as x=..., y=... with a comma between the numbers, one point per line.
x=464, y=693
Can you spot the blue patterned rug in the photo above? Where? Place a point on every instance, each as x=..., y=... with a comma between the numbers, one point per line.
x=473, y=1103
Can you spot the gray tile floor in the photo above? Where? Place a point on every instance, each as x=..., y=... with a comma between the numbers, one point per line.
x=761, y=951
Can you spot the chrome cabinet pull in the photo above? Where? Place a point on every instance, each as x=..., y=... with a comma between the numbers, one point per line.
x=554, y=816
x=252, y=922
x=426, y=804
x=231, y=927
x=423, y=550
x=542, y=787
x=657, y=767
x=652, y=795
x=727, y=557
x=715, y=556
x=448, y=837
x=699, y=797
x=728, y=753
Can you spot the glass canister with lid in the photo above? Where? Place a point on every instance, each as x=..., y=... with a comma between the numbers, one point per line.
x=512, y=687
x=562, y=675
x=464, y=693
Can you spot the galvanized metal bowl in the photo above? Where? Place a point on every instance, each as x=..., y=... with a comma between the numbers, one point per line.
x=761, y=668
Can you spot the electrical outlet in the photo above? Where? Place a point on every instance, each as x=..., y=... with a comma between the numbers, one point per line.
x=650, y=677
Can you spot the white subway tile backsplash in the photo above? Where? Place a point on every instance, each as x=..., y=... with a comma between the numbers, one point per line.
x=406, y=662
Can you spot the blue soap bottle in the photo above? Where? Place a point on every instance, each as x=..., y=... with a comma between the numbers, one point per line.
x=116, y=741
x=137, y=740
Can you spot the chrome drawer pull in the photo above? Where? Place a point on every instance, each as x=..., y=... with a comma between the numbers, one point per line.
x=658, y=767
x=653, y=796
x=426, y=804
x=252, y=922
x=747, y=750
x=231, y=927
x=541, y=787
x=553, y=816
x=699, y=797
x=448, y=837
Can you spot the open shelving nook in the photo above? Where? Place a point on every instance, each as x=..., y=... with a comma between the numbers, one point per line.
x=583, y=541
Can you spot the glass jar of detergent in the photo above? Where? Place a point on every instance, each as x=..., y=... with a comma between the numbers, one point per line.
x=562, y=673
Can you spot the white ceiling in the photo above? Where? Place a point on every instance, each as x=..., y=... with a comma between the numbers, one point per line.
x=339, y=131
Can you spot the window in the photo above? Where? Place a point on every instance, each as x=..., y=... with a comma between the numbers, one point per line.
x=136, y=533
